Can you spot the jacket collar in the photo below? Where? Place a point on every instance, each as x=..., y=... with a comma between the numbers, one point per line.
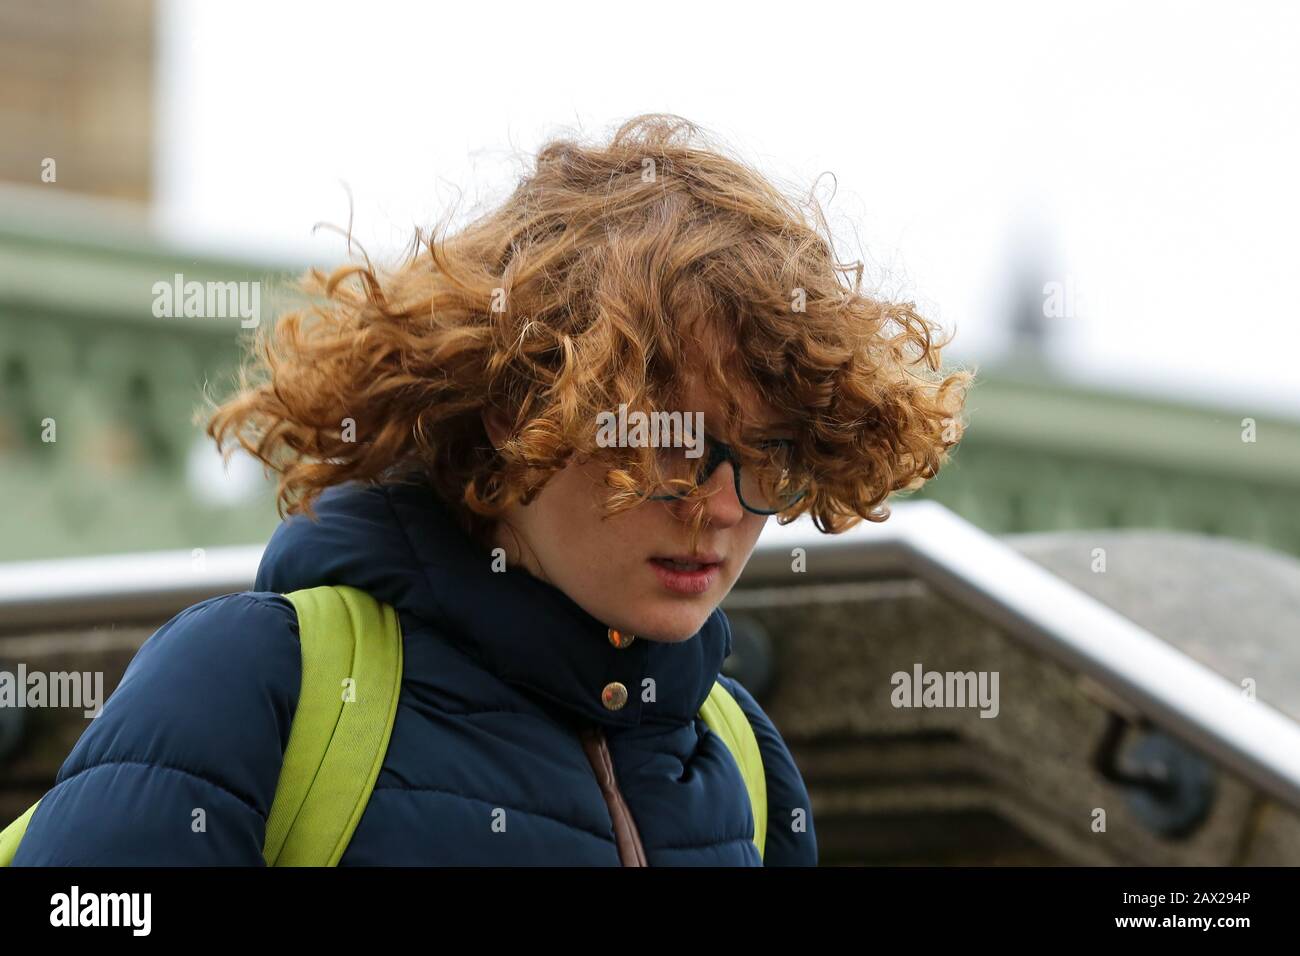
x=401, y=544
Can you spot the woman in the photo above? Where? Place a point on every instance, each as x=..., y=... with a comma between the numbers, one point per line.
x=436, y=429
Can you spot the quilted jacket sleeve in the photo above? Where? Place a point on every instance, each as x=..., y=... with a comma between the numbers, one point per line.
x=791, y=839
x=181, y=765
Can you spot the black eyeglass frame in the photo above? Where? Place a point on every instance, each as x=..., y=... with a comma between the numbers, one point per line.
x=719, y=452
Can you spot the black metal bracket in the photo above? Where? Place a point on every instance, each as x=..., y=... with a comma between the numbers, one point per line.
x=1170, y=787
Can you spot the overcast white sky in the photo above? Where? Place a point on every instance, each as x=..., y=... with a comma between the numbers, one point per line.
x=1145, y=154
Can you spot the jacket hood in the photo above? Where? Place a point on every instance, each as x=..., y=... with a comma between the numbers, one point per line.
x=401, y=544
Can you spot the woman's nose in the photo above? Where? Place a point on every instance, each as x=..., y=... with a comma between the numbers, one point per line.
x=722, y=505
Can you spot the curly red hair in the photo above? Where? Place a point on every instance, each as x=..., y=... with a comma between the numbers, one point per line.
x=585, y=289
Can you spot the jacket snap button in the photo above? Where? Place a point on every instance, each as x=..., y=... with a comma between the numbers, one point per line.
x=619, y=639
x=614, y=696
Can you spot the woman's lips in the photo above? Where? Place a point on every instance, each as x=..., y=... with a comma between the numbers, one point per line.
x=686, y=581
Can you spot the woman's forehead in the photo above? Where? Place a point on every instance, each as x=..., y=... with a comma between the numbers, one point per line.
x=698, y=398
x=694, y=391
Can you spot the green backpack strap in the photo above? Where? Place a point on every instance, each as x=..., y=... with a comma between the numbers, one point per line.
x=12, y=835
x=726, y=719
x=351, y=678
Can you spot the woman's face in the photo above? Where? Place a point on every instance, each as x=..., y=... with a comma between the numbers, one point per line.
x=607, y=566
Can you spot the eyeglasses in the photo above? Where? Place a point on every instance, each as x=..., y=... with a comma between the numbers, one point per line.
x=766, y=488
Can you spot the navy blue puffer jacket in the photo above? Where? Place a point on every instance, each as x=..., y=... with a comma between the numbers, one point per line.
x=487, y=763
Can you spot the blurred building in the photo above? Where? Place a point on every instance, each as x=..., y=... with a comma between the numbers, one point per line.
x=76, y=87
